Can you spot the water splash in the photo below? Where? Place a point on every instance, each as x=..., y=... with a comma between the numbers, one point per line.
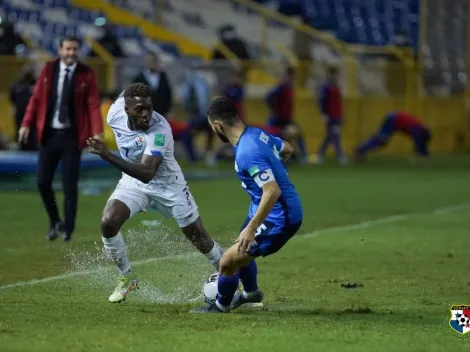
x=174, y=280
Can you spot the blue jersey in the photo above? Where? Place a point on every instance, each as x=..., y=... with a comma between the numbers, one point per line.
x=257, y=162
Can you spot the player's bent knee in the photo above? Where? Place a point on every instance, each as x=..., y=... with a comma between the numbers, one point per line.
x=232, y=261
x=227, y=266
x=110, y=225
x=114, y=216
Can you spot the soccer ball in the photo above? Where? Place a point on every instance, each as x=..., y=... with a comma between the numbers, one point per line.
x=210, y=289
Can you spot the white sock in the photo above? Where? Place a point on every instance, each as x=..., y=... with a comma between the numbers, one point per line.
x=221, y=307
x=115, y=248
x=248, y=295
x=215, y=255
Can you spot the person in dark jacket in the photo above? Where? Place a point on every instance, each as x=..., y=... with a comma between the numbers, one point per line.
x=153, y=76
x=110, y=43
x=9, y=40
x=20, y=93
x=229, y=37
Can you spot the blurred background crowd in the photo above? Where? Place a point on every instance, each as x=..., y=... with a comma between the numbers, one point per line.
x=388, y=55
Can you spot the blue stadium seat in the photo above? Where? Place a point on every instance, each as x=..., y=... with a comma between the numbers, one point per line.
x=369, y=22
x=170, y=48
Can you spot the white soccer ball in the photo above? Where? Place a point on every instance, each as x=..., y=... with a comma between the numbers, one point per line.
x=210, y=289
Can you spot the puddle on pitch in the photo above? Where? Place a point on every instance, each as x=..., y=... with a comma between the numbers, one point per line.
x=169, y=269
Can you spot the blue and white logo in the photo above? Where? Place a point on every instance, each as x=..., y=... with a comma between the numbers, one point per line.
x=139, y=142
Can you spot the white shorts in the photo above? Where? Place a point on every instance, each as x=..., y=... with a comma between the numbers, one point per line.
x=172, y=200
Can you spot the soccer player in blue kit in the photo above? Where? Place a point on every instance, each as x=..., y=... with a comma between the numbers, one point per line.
x=275, y=214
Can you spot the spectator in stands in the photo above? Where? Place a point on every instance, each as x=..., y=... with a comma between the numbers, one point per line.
x=196, y=95
x=229, y=37
x=153, y=76
x=9, y=40
x=65, y=107
x=20, y=93
x=109, y=42
x=331, y=106
x=302, y=50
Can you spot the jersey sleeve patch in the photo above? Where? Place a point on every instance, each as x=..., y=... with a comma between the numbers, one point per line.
x=156, y=153
x=264, y=177
x=159, y=140
x=253, y=171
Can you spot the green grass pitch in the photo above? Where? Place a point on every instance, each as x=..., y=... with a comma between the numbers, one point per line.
x=400, y=230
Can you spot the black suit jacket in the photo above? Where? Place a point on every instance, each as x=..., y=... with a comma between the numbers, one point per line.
x=162, y=97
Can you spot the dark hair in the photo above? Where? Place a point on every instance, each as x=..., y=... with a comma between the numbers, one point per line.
x=290, y=71
x=69, y=39
x=333, y=70
x=138, y=90
x=223, y=109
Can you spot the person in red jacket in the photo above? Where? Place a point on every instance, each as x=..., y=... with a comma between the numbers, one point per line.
x=65, y=108
x=398, y=121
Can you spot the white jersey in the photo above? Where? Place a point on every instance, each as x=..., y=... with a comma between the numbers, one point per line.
x=156, y=141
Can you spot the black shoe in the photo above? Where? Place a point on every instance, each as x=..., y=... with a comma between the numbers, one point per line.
x=53, y=233
x=209, y=308
x=66, y=236
x=255, y=298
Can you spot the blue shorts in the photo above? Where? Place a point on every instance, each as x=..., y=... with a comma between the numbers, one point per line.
x=270, y=237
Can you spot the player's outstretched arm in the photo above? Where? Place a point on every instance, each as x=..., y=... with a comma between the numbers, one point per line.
x=144, y=171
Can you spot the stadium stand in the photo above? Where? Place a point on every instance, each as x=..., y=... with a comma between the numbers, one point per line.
x=357, y=22
x=44, y=22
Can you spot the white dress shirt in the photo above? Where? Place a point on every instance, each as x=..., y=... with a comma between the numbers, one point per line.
x=56, y=124
x=152, y=78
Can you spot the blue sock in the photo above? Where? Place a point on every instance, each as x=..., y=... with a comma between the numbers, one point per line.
x=187, y=139
x=372, y=143
x=226, y=287
x=302, y=148
x=248, y=276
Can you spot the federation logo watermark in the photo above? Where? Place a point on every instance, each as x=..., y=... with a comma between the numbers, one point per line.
x=460, y=320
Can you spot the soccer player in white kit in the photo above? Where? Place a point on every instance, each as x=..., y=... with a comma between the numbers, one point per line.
x=150, y=175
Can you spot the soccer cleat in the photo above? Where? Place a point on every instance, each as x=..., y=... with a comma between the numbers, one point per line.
x=66, y=237
x=126, y=285
x=208, y=308
x=53, y=232
x=254, y=299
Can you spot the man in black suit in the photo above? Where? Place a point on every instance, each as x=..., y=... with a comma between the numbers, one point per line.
x=65, y=108
x=153, y=76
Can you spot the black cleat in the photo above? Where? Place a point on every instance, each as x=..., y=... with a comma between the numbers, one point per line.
x=209, y=308
x=255, y=298
x=66, y=237
x=53, y=233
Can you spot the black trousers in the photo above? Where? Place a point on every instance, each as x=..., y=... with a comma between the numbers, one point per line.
x=60, y=145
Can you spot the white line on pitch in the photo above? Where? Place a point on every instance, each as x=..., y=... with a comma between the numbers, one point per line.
x=352, y=227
